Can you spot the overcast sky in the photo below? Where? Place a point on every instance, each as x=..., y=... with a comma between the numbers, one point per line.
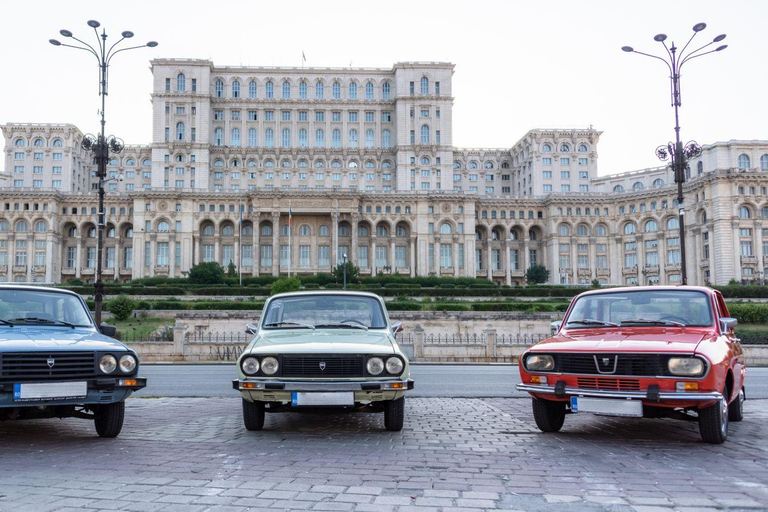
x=519, y=64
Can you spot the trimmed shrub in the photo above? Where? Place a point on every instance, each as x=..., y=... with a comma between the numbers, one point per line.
x=121, y=306
x=286, y=284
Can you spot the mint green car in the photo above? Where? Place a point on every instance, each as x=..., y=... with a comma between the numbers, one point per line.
x=323, y=350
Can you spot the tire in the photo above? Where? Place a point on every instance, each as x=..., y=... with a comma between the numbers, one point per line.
x=109, y=419
x=549, y=415
x=253, y=415
x=713, y=423
x=736, y=408
x=394, y=413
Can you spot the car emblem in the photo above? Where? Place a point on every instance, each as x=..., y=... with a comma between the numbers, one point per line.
x=322, y=365
x=51, y=361
x=606, y=364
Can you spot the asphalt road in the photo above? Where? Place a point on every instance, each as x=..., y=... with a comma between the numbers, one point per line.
x=464, y=381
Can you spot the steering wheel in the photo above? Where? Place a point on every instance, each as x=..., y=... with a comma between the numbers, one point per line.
x=353, y=321
x=672, y=318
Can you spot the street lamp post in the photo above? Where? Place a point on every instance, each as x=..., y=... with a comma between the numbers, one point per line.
x=345, y=270
x=678, y=153
x=101, y=145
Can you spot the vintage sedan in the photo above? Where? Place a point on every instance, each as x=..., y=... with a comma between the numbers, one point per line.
x=332, y=351
x=651, y=351
x=56, y=363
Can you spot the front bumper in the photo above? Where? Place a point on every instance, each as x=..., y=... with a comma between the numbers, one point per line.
x=652, y=394
x=274, y=385
x=100, y=391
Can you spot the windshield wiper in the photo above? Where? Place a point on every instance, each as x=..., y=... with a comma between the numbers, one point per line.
x=6, y=322
x=35, y=320
x=348, y=325
x=589, y=321
x=642, y=321
x=278, y=324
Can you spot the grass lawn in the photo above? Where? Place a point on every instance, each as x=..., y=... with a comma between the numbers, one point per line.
x=137, y=327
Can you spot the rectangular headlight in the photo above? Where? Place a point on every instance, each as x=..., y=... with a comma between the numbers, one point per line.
x=686, y=366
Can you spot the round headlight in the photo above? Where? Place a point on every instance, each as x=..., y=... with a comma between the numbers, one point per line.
x=250, y=365
x=127, y=363
x=108, y=363
x=539, y=363
x=375, y=366
x=269, y=365
x=686, y=366
x=394, y=365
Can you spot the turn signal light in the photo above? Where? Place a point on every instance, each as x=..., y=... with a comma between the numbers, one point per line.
x=687, y=386
x=538, y=379
x=248, y=385
x=128, y=382
x=397, y=385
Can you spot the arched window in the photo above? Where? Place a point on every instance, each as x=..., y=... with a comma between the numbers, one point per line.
x=91, y=232
x=266, y=230
x=600, y=230
x=269, y=89
x=564, y=148
x=763, y=161
x=41, y=226
x=673, y=223
x=745, y=212
x=218, y=137
x=353, y=91
x=743, y=161
x=19, y=143
x=147, y=162
x=637, y=185
x=352, y=164
x=130, y=162
x=386, y=164
x=336, y=164
x=456, y=164
x=285, y=230
x=57, y=143
x=303, y=90
x=303, y=163
x=269, y=137
x=253, y=137
x=181, y=82
x=386, y=139
x=208, y=230
x=618, y=188
x=218, y=163
x=286, y=90
x=39, y=143
x=651, y=226
x=336, y=138
x=764, y=212
x=532, y=234
x=303, y=138
x=285, y=138
x=386, y=91
x=424, y=85
x=446, y=228
x=305, y=230
x=269, y=163
x=582, y=230
x=563, y=230
x=21, y=226
x=235, y=89
x=319, y=91
x=400, y=230
x=424, y=134
x=425, y=160
x=235, y=139
x=488, y=165
x=699, y=167
x=228, y=230
x=129, y=233
x=583, y=148
x=252, y=89
x=336, y=89
x=319, y=164
x=658, y=182
x=630, y=228
x=72, y=232
x=323, y=231
x=369, y=139
x=513, y=234
x=381, y=230
x=285, y=163
x=344, y=230
x=353, y=138
x=162, y=226
x=319, y=138
x=362, y=231
x=369, y=91
x=111, y=232
x=247, y=230
x=218, y=90
x=472, y=165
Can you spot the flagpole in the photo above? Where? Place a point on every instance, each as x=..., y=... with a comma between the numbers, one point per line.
x=336, y=227
x=290, y=251
x=240, y=243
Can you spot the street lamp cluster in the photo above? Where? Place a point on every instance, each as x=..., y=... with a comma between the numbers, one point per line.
x=101, y=145
x=678, y=153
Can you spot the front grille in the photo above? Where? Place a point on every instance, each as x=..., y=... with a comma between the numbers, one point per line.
x=641, y=365
x=33, y=366
x=335, y=366
x=608, y=383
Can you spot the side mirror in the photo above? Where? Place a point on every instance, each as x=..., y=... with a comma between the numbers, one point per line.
x=108, y=330
x=397, y=327
x=555, y=326
x=250, y=329
x=727, y=323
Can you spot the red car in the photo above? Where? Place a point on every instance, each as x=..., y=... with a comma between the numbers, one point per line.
x=653, y=351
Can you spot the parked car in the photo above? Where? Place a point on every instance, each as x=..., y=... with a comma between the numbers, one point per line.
x=653, y=351
x=56, y=363
x=320, y=350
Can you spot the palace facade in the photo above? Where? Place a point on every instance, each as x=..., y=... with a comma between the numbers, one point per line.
x=362, y=162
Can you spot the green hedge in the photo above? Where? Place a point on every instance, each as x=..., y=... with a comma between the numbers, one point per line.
x=752, y=337
x=748, y=313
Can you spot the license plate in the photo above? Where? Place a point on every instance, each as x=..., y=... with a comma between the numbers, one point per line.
x=302, y=398
x=607, y=406
x=49, y=391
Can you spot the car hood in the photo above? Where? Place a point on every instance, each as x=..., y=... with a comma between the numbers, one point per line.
x=336, y=341
x=13, y=339
x=635, y=340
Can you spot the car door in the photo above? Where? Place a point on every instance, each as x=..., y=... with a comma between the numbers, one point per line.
x=737, y=359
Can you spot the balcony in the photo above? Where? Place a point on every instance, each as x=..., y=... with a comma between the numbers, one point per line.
x=68, y=271
x=704, y=263
x=629, y=270
x=603, y=272
x=88, y=271
x=403, y=270
x=651, y=269
x=126, y=271
x=584, y=272
x=481, y=272
x=749, y=260
x=447, y=271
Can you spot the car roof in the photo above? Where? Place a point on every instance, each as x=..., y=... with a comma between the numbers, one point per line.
x=326, y=292
x=32, y=288
x=630, y=289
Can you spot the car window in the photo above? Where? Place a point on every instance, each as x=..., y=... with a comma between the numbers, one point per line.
x=318, y=310
x=688, y=307
x=40, y=307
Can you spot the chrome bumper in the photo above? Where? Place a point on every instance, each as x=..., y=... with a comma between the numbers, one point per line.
x=272, y=385
x=640, y=395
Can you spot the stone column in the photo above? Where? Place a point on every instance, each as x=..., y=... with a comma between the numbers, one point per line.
x=30, y=256
x=593, y=257
x=372, y=257
x=758, y=231
x=413, y=256
x=736, y=252
x=49, y=259
x=574, y=260
x=197, y=251
x=217, y=249
x=12, y=257
x=640, y=258
x=256, y=248
x=118, y=240
x=506, y=263
x=392, y=262
x=78, y=258
x=334, y=257
x=526, y=255
x=354, y=253
x=275, y=243
x=488, y=257
x=172, y=255
x=152, y=254
x=436, y=250
x=661, y=246
x=615, y=257
x=456, y=256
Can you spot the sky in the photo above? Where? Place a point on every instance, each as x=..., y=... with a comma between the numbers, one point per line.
x=520, y=65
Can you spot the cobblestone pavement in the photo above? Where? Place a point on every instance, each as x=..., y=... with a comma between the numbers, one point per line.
x=470, y=454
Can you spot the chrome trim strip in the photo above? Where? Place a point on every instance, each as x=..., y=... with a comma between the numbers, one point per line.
x=663, y=395
x=325, y=386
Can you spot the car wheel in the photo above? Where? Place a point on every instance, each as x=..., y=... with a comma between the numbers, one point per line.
x=713, y=423
x=253, y=415
x=736, y=408
x=394, y=413
x=549, y=415
x=108, y=419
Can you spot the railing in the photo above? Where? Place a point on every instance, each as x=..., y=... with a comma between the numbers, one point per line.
x=217, y=337
x=519, y=339
x=465, y=339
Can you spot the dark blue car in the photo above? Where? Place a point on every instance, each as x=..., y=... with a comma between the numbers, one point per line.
x=55, y=362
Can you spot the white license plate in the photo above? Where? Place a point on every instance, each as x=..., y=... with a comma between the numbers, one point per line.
x=50, y=391
x=333, y=398
x=607, y=406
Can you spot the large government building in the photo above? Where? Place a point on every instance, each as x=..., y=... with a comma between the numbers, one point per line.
x=282, y=170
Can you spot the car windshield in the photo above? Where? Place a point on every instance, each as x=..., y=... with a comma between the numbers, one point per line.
x=40, y=307
x=318, y=311
x=641, y=308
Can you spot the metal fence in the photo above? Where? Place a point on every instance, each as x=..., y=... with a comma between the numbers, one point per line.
x=165, y=335
x=218, y=337
x=519, y=339
x=466, y=339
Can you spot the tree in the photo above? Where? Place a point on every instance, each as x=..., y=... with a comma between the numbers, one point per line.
x=206, y=273
x=231, y=269
x=121, y=306
x=352, y=272
x=537, y=274
x=286, y=284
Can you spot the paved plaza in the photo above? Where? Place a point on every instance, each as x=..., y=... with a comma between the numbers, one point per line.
x=193, y=454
